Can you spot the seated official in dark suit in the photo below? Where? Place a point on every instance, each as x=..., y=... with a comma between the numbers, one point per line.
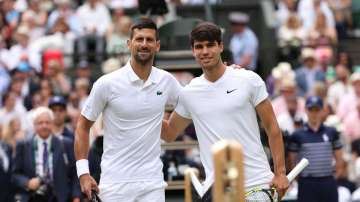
x=44, y=165
x=6, y=191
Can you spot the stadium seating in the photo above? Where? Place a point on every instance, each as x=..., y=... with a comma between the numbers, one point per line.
x=175, y=35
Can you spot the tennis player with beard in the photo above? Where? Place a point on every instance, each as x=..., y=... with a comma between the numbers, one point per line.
x=132, y=101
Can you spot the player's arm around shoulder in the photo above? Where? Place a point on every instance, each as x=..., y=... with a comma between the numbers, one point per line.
x=173, y=127
x=267, y=116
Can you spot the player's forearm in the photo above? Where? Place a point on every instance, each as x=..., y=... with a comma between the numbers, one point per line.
x=267, y=116
x=167, y=132
x=81, y=144
x=277, y=151
x=174, y=126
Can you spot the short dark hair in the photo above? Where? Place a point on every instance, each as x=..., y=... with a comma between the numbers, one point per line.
x=144, y=23
x=205, y=31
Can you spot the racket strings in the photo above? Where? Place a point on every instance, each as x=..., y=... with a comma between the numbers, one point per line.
x=261, y=195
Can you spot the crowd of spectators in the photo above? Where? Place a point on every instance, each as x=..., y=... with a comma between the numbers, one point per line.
x=311, y=63
x=41, y=40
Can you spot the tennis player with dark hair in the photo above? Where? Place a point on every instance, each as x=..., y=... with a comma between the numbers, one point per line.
x=132, y=101
x=223, y=104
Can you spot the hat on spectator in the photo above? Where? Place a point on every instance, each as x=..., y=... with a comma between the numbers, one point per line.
x=355, y=77
x=307, y=53
x=313, y=101
x=287, y=84
x=283, y=69
x=57, y=100
x=238, y=18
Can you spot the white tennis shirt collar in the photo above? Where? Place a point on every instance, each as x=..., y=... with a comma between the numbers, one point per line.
x=154, y=76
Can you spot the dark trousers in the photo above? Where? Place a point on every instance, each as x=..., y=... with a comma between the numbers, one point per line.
x=317, y=189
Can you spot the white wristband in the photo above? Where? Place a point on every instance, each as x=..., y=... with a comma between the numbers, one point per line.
x=82, y=167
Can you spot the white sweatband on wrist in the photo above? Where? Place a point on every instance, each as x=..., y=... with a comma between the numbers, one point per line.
x=82, y=167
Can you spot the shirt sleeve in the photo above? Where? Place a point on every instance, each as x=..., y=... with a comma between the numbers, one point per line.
x=174, y=92
x=259, y=92
x=96, y=101
x=181, y=107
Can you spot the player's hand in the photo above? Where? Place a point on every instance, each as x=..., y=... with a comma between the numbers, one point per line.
x=281, y=184
x=235, y=66
x=87, y=184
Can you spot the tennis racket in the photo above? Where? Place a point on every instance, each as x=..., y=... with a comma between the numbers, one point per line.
x=95, y=197
x=270, y=195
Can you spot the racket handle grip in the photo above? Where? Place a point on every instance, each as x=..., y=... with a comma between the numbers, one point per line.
x=297, y=170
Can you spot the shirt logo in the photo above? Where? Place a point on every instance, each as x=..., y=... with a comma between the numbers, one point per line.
x=230, y=91
x=325, y=137
x=159, y=92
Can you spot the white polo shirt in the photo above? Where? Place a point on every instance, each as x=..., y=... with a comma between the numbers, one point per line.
x=133, y=113
x=225, y=109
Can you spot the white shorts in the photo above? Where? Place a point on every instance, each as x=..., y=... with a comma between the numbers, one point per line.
x=133, y=192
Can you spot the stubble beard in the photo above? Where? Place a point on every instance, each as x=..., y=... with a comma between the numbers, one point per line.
x=143, y=61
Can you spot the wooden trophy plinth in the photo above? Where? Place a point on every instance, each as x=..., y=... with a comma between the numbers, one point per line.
x=229, y=172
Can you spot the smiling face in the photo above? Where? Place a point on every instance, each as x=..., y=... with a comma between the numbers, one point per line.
x=207, y=46
x=143, y=45
x=207, y=53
